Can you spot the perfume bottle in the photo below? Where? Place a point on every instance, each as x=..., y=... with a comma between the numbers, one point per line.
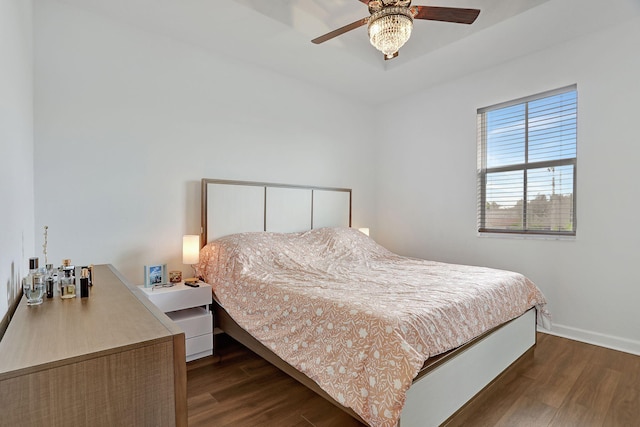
x=33, y=266
x=89, y=271
x=33, y=285
x=84, y=283
x=68, y=280
x=50, y=280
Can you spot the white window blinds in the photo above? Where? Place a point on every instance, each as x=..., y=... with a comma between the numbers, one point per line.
x=527, y=165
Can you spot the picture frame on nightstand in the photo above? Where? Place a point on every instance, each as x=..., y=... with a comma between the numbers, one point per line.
x=155, y=275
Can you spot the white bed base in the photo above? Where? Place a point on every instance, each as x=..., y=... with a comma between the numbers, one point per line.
x=443, y=387
x=436, y=396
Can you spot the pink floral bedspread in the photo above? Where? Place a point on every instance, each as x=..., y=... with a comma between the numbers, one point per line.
x=356, y=318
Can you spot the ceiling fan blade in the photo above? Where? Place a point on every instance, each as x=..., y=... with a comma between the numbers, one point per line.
x=447, y=14
x=339, y=31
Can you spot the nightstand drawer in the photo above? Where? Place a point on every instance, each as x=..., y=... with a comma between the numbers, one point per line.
x=194, y=321
x=199, y=344
x=188, y=307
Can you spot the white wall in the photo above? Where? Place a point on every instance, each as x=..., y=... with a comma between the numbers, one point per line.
x=127, y=123
x=427, y=183
x=16, y=147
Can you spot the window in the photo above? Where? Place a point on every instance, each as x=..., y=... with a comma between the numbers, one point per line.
x=527, y=165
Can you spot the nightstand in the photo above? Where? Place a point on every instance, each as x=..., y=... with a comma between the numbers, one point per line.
x=188, y=307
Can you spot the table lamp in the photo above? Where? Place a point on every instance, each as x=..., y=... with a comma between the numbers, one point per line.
x=191, y=253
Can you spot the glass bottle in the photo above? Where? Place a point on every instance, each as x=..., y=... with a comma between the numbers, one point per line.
x=68, y=280
x=33, y=285
x=50, y=281
x=84, y=283
x=60, y=275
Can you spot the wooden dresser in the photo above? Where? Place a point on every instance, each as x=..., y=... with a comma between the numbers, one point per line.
x=112, y=359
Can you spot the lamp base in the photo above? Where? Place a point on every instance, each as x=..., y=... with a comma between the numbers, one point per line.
x=191, y=281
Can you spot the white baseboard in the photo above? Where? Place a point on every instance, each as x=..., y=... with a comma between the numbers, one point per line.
x=595, y=338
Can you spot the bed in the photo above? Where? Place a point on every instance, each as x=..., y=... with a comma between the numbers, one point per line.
x=350, y=319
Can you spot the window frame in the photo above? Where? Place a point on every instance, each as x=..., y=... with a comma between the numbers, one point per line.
x=525, y=166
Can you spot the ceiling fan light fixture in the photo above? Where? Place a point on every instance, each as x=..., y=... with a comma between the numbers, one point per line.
x=390, y=28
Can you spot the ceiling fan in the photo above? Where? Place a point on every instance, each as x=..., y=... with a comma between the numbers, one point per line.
x=391, y=22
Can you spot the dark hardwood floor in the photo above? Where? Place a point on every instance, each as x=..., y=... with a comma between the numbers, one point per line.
x=560, y=383
x=238, y=388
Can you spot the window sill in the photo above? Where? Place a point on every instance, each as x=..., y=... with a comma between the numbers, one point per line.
x=525, y=236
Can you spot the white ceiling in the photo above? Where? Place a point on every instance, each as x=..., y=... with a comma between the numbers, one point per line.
x=276, y=34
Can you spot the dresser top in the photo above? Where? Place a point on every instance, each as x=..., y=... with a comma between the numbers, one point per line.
x=57, y=332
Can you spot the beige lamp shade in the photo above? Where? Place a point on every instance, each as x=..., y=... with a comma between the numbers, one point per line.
x=190, y=249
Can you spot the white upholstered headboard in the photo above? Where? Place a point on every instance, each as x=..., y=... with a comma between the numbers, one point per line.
x=239, y=206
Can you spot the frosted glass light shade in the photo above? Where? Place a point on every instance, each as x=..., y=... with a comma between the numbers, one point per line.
x=190, y=249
